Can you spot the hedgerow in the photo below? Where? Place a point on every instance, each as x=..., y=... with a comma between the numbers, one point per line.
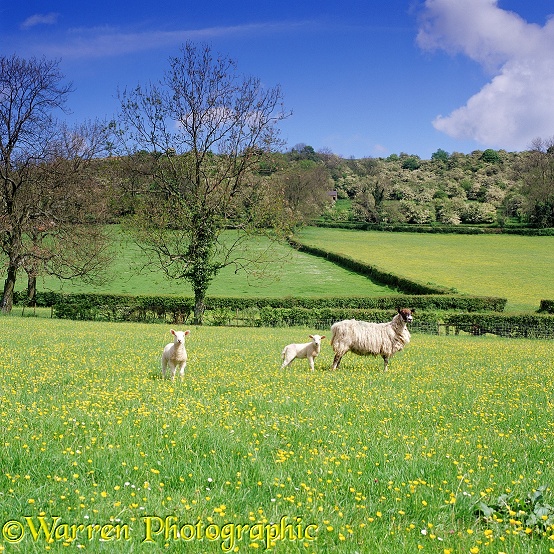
x=505, y=325
x=122, y=307
x=437, y=228
x=381, y=276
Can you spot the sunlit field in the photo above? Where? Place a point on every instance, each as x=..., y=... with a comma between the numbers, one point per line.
x=282, y=271
x=100, y=454
x=515, y=267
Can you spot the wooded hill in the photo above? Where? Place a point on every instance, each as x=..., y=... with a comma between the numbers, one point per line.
x=488, y=187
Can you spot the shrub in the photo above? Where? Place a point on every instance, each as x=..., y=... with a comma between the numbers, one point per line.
x=547, y=306
x=515, y=326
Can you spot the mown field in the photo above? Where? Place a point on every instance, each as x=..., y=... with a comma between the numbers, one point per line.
x=98, y=453
x=518, y=268
x=282, y=271
x=515, y=267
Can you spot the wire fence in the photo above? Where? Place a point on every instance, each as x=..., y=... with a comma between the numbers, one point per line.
x=439, y=328
x=533, y=326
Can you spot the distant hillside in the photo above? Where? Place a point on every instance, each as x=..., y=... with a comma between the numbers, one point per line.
x=486, y=187
x=479, y=188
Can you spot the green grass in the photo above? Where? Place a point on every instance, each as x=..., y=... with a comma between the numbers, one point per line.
x=374, y=462
x=286, y=273
x=515, y=267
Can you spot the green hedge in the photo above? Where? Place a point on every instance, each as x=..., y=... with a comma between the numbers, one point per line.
x=166, y=303
x=547, y=306
x=516, y=326
x=480, y=315
x=376, y=274
x=415, y=228
x=323, y=318
x=121, y=307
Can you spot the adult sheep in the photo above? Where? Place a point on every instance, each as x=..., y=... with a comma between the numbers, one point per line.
x=374, y=339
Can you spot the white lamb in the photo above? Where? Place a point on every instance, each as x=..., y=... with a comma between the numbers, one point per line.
x=175, y=355
x=375, y=339
x=308, y=350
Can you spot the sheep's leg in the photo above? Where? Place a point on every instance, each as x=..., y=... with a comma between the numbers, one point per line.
x=173, y=368
x=287, y=358
x=311, y=362
x=287, y=362
x=386, y=360
x=336, y=361
x=182, y=372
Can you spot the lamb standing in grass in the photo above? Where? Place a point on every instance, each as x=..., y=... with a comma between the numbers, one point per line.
x=175, y=355
x=375, y=339
x=308, y=350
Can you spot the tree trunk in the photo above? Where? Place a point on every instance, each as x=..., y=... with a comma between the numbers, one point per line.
x=199, y=308
x=9, y=286
x=200, y=287
x=31, y=289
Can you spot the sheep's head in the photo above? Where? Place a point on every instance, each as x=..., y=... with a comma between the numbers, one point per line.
x=179, y=336
x=406, y=314
x=316, y=339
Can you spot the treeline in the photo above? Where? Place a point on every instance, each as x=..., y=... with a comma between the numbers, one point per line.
x=488, y=188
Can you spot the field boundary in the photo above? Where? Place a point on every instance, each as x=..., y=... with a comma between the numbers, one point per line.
x=461, y=229
x=376, y=274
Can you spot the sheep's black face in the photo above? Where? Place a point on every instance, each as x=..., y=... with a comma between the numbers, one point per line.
x=406, y=314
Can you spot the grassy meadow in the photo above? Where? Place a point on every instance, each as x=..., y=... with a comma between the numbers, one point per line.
x=282, y=271
x=515, y=267
x=99, y=454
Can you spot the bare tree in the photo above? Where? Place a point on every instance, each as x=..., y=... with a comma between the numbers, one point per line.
x=65, y=235
x=42, y=196
x=206, y=129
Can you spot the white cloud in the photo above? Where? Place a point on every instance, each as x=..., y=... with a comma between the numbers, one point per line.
x=40, y=19
x=517, y=105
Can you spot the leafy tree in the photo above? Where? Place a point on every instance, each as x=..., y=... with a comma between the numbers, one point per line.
x=538, y=175
x=304, y=191
x=42, y=200
x=368, y=203
x=411, y=163
x=440, y=156
x=490, y=156
x=416, y=213
x=218, y=126
x=303, y=151
x=477, y=212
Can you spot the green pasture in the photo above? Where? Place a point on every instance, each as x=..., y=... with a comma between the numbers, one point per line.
x=100, y=454
x=282, y=271
x=515, y=267
x=518, y=268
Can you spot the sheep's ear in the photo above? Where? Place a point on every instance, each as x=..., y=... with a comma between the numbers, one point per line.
x=398, y=310
x=412, y=310
x=172, y=332
x=187, y=332
x=311, y=336
x=322, y=337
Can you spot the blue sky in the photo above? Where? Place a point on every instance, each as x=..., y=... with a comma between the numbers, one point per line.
x=362, y=77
